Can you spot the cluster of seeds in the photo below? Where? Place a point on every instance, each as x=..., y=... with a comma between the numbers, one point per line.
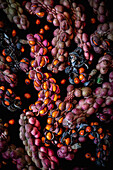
x=12, y=50
x=10, y=151
x=102, y=139
x=69, y=113
x=62, y=35
x=82, y=132
x=76, y=69
x=30, y=134
x=78, y=17
x=9, y=99
x=4, y=137
x=48, y=92
x=14, y=13
x=102, y=38
x=105, y=63
x=54, y=127
x=6, y=74
x=39, y=50
x=99, y=8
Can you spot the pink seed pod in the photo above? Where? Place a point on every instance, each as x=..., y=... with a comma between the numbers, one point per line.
x=96, y=105
x=56, y=22
x=37, y=142
x=28, y=135
x=85, y=37
x=45, y=43
x=32, y=120
x=64, y=149
x=50, y=152
x=22, y=116
x=21, y=122
x=110, y=92
x=32, y=54
x=32, y=74
x=69, y=106
x=91, y=57
x=37, y=124
x=57, y=89
x=56, y=32
x=38, y=37
x=82, y=139
x=78, y=92
x=60, y=17
x=106, y=85
x=98, y=90
x=103, y=92
x=59, y=8
x=85, y=106
x=49, y=3
x=36, y=48
x=85, y=48
x=86, y=91
x=46, y=163
x=6, y=155
x=16, y=20
x=33, y=148
x=54, y=41
x=81, y=102
x=28, y=5
x=70, y=156
x=50, y=106
x=77, y=111
x=34, y=109
x=38, y=135
x=89, y=100
x=30, y=141
x=54, y=52
x=41, y=107
x=60, y=154
x=54, y=159
x=91, y=111
x=86, y=54
x=99, y=100
x=50, y=18
x=42, y=155
x=30, y=37
x=43, y=149
x=111, y=76
x=33, y=7
x=58, y=102
x=34, y=64
x=108, y=101
x=6, y=72
x=108, y=111
x=53, y=165
x=34, y=131
x=28, y=128
x=42, y=51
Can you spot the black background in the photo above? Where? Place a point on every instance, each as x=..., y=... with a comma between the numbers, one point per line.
x=22, y=88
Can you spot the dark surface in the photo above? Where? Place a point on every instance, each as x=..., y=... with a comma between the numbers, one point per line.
x=23, y=88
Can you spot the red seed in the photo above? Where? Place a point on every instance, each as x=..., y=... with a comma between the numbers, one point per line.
x=93, y=20
x=37, y=21
x=46, y=27
x=11, y=122
x=13, y=33
x=27, y=95
x=63, y=81
x=22, y=49
x=27, y=81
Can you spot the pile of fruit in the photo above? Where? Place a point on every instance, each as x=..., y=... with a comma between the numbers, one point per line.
x=56, y=84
